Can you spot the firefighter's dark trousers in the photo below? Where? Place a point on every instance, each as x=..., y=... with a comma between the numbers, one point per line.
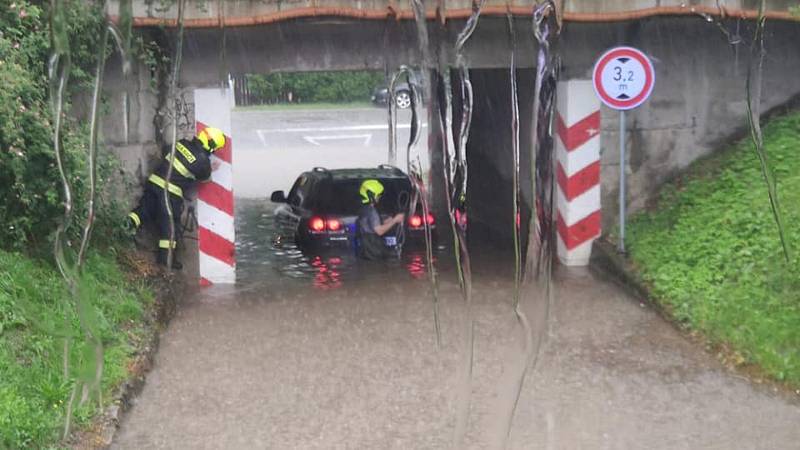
x=153, y=209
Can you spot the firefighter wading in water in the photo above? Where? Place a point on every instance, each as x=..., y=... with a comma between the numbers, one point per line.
x=370, y=227
x=192, y=164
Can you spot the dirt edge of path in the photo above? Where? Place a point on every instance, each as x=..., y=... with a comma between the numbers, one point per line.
x=168, y=290
x=608, y=263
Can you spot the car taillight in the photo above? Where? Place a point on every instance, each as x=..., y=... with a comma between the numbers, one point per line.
x=316, y=224
x=334, y=225
x=415, y=221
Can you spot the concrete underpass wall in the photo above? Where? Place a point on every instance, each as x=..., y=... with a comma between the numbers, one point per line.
x=698, y=104
x=136, y=121
x=136, y=129
x=128, y=128
x=699, y=98
x=698, y=101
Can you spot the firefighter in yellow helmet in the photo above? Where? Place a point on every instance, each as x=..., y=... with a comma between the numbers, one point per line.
x=370, y=228
x=191, y=164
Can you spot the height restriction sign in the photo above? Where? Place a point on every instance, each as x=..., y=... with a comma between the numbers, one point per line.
x=623, y=78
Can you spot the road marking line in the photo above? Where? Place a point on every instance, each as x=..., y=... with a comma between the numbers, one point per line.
x=347, y=128
x=315, y=139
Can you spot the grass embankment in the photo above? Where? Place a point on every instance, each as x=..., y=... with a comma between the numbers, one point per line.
x=33, y=306
x=712, y=256
x=305, y=106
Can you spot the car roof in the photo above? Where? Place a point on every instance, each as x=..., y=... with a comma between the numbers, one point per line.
x=383, y=172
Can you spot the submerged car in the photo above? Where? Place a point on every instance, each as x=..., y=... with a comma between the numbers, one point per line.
x=321, y=209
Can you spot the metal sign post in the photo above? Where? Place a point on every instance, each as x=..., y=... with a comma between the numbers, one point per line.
x=623, y=79
x=621, y=246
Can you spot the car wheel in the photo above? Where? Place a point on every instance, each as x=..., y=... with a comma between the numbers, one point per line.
x=402, y=99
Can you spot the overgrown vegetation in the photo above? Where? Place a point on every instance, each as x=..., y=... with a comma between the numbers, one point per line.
x=30, y=189
x=313, y=87
x=35, y=319
x=713, y=257
x=39, y=318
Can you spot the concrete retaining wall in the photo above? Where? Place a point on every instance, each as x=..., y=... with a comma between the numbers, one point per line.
x=698, y=101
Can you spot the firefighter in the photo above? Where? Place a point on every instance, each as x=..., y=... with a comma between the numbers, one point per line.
x=370, y=227
x=191, y=164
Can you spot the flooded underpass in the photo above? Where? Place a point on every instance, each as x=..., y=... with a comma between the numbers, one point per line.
x=499, y=333
x=295, y=356
x=266, y=256
x=324, y=350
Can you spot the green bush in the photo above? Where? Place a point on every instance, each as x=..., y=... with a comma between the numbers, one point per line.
x=314, y=87
x=31, y=196
x=35, y=309
x=712, y=254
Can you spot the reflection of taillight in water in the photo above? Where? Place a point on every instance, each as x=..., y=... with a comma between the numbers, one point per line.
x=326, y=275
x=417, y=265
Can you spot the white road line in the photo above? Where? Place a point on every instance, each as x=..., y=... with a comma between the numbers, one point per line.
x=347, y=128
x=263, y=132
x=315, y=139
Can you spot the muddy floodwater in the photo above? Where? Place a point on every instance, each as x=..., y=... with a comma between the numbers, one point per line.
x=328, y=353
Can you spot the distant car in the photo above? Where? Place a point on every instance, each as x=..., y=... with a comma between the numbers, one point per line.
x=402, y=96
x=322, y=207
x=402, y=93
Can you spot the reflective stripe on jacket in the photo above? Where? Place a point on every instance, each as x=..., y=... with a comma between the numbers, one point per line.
x=160, y=182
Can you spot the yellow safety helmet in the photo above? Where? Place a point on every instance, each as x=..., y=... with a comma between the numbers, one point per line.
x=370, y=190
x=212, y=138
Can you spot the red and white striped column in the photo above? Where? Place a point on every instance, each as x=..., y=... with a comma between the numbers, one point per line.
x=216, y=233
x=577, y=171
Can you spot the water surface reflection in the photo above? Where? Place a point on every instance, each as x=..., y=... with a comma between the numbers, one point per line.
x=264, y=255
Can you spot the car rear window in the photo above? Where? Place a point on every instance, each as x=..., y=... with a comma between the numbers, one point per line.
x=341, y=197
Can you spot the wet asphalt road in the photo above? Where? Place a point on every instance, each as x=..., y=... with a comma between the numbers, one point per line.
x=271, y=148
x=326, y=353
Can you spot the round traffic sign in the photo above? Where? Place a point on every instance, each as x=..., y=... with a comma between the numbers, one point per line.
x=623, y=78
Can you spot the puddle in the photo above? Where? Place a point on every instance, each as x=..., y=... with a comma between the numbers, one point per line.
x=264, y=255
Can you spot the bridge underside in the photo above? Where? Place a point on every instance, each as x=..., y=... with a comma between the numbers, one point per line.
x=202, y=13
x=698, y=102
x=349, y=44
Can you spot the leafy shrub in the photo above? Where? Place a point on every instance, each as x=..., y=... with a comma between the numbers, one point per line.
x=31, y=196
x=712, y=254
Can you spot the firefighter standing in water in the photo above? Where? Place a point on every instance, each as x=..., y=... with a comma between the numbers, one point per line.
x=370, y=227
x=191, y=164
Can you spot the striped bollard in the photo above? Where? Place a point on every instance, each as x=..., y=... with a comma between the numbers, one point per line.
x=577, y=171
x=216, y=233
